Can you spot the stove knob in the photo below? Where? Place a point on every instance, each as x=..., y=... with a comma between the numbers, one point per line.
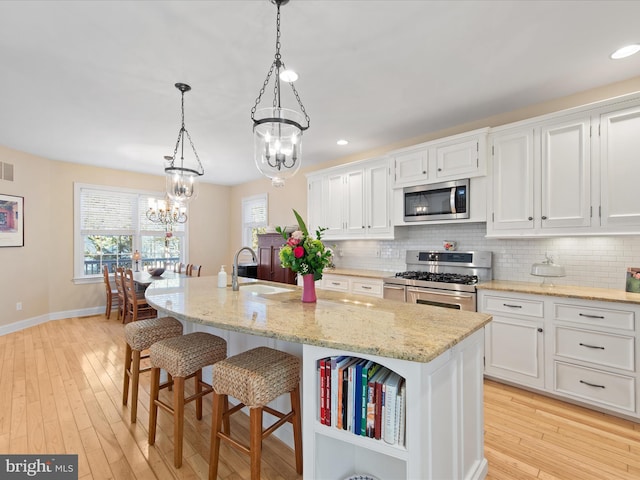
x=433, y=257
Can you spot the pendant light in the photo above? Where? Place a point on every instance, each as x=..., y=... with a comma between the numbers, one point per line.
x=277, y=131
x=181, y=186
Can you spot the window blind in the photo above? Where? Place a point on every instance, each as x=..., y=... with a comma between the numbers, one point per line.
x=105, y=211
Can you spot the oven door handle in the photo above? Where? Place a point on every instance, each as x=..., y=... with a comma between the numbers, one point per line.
x=390, y=286
x=452, y=200
x=444, y=294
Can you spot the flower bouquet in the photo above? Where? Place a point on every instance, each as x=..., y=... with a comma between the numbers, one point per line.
x=304, y=254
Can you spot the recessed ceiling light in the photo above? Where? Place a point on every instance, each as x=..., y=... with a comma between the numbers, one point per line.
x=288, y=76
x=625, y=51
x=342, y=142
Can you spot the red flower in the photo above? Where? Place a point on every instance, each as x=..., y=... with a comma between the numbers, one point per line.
x=298, y=252
x=293, y=241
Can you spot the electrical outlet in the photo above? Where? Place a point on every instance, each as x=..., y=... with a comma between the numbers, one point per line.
x=19, y=306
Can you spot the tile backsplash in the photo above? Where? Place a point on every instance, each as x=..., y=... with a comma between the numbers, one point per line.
x=589, y=261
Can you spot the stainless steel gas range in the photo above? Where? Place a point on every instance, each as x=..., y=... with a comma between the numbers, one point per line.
x=442, y=279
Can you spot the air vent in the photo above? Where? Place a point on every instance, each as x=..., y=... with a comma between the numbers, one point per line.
x=6, y=171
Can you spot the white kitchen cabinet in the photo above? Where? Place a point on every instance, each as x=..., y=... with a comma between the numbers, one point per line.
x=514, y=340
x=315, y=218
x=541, y=178
x=353, y=284
x=355, y=200
x=619, y=172
x=584, y=351
x=450, y=158
x=566, y=173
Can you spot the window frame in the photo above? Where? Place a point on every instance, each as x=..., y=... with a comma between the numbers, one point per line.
x=247, y=227
x=78, y=244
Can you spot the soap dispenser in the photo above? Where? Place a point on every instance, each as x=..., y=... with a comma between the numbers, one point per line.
x=222, y=278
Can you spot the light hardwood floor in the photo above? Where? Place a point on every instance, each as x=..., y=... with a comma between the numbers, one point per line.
x=61, y=387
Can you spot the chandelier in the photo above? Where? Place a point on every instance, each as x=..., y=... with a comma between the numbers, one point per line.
x=181, y=179
x=166, y=213
x=277, y=131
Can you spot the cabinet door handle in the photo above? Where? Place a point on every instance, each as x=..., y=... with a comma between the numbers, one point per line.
x=362, y=226
x=365, y=287
x=530, y=218
x=335, y=283
x=540, y=330
x=544, y=217
x=601, y=317
x=511, y=305
x=591, y=346
x=592, y=384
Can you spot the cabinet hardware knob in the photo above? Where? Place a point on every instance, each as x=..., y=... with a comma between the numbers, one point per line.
x=592, y=384
x=362, y=226
x=601, y=317
x=530, y=218
x=591, y=346
x=544, y=217
x=511, y=305
x=439, y=169
x=540, y=330
x=424, y=172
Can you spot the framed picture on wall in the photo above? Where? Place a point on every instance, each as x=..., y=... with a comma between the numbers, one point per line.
x=11, y=221
x=632, y=283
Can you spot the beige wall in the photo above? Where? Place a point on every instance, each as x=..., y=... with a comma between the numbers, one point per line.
x=40, y=274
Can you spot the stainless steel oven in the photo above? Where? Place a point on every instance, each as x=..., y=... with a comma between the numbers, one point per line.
x=441, y=279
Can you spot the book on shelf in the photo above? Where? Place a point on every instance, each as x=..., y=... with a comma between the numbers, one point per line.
x=357, y=397
x=368, y=370
x=374, y=408
x=323, y=391
x=327, y=387
x=392, y=387
x=352, y=371
x=337, y=363
x=401, y=414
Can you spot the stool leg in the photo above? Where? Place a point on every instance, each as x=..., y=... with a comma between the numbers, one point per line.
x=198, y=389
x=135, y=378
x=178, y=419
x=226, y=424
x=255, y=432
x=219, y=402
x=127, y=368
x=297, y=427
x=153, y=408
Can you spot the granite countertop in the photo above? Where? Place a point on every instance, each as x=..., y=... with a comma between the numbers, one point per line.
x=354, y=272
x=569, y=291
x=346, y=322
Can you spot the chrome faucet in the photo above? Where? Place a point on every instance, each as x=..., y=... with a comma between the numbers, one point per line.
x=234, y=274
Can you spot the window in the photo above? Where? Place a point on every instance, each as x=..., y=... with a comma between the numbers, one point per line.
x=254, y=219
x=110, y=224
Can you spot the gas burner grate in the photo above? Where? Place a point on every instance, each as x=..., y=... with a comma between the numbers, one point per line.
x=439, y=277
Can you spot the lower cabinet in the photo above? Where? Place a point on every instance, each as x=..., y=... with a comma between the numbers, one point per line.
x=371, y=287
x=582, y=350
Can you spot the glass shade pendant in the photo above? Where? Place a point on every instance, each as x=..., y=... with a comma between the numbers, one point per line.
x=181, y=179
x=277, y=131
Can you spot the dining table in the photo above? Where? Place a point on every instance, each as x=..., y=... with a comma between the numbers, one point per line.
x=143, y=279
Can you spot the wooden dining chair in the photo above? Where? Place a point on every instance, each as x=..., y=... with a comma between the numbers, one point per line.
x=137, y=306
x=180, y=268
x=194, y=271
x=112, y=294
x=122, y=298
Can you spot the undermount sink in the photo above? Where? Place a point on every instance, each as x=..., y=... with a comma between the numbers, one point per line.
x=260, y=289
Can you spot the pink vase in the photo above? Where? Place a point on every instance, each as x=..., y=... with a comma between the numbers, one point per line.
x=308, y=288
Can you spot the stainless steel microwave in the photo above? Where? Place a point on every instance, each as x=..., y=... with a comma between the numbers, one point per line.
x=437, y=201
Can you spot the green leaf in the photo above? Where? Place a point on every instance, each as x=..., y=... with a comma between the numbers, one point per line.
x=301, y=224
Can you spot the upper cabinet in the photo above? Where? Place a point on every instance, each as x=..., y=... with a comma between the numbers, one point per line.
x=572, y=174
x=450, y=158
x=352, y=201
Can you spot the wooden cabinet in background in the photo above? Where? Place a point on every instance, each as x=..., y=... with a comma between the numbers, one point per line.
x=269, y=267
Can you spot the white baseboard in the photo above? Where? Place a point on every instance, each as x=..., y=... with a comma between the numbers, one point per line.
x=32, y=322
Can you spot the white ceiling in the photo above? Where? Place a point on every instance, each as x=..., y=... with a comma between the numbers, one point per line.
x=92, y=82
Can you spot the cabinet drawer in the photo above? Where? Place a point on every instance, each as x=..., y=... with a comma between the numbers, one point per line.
x=333, y=283
x=513, y=306
x=596, y=386
x=596, y=347
x=373, y=289
x=595, y=316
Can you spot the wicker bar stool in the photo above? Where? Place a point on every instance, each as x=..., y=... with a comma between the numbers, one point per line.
x=255, y=378
x=182, y=357
x=140, y=336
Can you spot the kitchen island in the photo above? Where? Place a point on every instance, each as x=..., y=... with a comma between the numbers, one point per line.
x=438, y=351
